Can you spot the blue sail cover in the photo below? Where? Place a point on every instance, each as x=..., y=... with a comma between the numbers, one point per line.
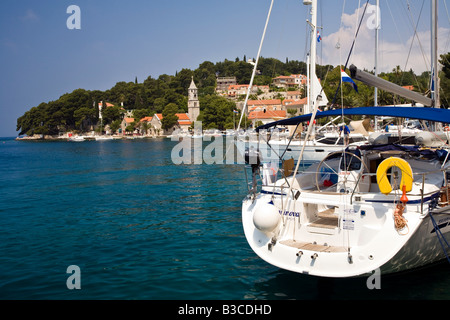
x=420, y=113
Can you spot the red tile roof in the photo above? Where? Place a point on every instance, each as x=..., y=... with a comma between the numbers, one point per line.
x=263, y=102
x=148, y=119
x=269, y=114
x=183, y=118
x=287, y=102
x=107, y=104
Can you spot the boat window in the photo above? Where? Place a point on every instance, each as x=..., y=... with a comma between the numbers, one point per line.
x=330, y=140
x=357, y=139
x=350, y=162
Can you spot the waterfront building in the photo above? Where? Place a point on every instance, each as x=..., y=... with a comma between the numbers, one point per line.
x=295, y=104
x=183, y=124
x=224, y=82
x=269, y=104
x=235, y=90
x=266, y=116
x=292, y=81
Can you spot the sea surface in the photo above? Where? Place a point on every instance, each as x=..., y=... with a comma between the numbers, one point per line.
x=140, y=227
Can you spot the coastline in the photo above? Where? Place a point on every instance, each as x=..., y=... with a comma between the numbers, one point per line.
x=66, y=137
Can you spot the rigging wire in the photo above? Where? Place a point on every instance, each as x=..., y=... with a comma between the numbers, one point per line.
x=412, y=42
x=356, y=23
x=411, y=20
x=440, y=236
x=256, y=64
x=254, y=70
x=448, y=18
x=351, y=50
x=444, y=57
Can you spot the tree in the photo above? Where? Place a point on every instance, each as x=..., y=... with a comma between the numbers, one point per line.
x=145, y=126
x=168, y=94
x=111, y=114
x=129, y=128
x=205, y=78
x=292, y=112
x=180, y=83
x=140, y=113
x=138, y=101
x=84, y=116
x=445, y=80
x=216, y=112
x=169, y=117
x=115, y=125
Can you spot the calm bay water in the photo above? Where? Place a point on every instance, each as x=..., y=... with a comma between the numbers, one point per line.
x=140, y=227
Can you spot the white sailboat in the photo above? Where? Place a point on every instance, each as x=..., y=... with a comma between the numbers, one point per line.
x=324, y=140
x=379, y=206
x=104, y=138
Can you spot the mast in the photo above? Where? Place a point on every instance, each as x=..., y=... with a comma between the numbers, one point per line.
x=312, y=55
x=434, y=54
x=377, y=27
x=312, y=73
x=308, y=86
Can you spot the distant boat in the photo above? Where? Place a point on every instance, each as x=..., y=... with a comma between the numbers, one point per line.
x=197, y=135
x=230, y=132
x=212, y=133
x=76, y=138
x=178, y=133
x=103, y=138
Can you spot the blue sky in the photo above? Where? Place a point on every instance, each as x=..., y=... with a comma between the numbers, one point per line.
x=41, y=59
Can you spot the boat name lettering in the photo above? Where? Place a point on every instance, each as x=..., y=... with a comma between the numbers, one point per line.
x=289, y=213
x=443, y=220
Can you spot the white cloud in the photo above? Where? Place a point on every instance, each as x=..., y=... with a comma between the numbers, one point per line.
x=30, y=16
x=391, y=54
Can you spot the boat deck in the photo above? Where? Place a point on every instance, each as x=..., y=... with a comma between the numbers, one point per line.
x=313, y=246
x=326, y=219
x=325, y=223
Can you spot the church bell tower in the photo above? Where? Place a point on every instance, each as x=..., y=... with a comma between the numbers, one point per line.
x=193, y=103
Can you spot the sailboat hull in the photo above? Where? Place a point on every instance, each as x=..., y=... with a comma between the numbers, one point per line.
x=358, y=245
x=423, y=248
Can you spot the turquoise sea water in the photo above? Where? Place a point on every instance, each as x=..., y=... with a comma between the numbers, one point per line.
x=140, y=227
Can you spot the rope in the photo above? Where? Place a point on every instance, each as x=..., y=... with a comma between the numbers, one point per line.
x=440, y=236
x=399, y=221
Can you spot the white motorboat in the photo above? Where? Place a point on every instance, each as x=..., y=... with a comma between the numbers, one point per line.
x=212, y=133
x=179, y=134
x=76, y=138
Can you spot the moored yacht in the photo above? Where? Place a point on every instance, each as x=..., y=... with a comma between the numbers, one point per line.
x=367, y=207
